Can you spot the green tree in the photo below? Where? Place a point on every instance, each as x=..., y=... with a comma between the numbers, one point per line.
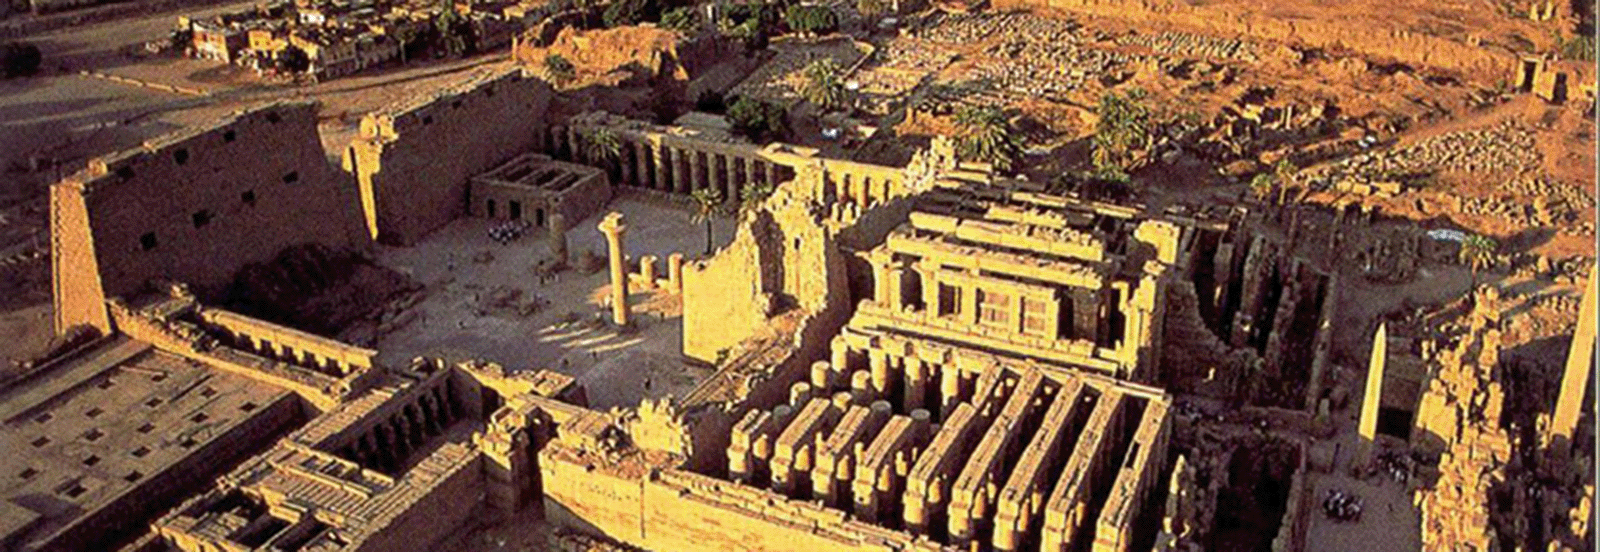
x=559, y=70
x=630, y=12
x=707, y=205
x=1478, y=251
x=987, y=136
x=753, y=193
x=823, y=84
x=811, y=20
x=1262, y=184
x=756, y=119
x=601, y=145
x=682, y=19
x=1122, y=136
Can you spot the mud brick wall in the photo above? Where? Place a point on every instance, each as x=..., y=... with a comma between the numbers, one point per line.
x=413, y=161
x=195, y=207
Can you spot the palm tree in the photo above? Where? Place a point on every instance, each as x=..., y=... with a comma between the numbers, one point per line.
x=753, y=194
x=708, y=204
x=823, y=84
x=602, y=146
x=1262, y=184
x=1477, y=251
x=559, y=69
x=987, y=136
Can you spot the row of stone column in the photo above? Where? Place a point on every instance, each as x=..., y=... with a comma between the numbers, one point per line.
x=285, y=353
x=672, y=169
x=389, y=444
x=909, y=381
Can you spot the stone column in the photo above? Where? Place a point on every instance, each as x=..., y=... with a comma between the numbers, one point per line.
x=625, y=164
x=675, y=273
x=841, y=354
x=679, y=180
x=558, y=238
x=821, y=376
x=864, y=189
x=878, y=362
x=772, y=174
x=1368, y=426
x=716, y=174
x=613, y=227
x=577, y=144
x=949, y=389
x=916, y=375
x=641, y=169
x=659, y=159
x=647, y=271
x=1580, y=367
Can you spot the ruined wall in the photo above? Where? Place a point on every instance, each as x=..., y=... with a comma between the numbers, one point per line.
x=194, y=207
x=412, y=161
x=783, y=256
x=675, y=511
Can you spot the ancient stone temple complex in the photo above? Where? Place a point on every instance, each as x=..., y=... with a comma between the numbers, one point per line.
x=495, y=310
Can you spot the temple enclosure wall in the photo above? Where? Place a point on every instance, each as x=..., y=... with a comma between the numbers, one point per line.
x=1476, y=63
x=676, y=511
x=195, y=207
x=413, y=161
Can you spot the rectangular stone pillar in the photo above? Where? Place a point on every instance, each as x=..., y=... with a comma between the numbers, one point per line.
x=1579, y=369
x=1368, y=425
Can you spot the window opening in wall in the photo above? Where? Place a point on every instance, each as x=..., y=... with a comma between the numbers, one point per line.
x=40, y=442
x=181, y=156
x=246, y=407
x=125, y=172
x=188, y=442
x=147, y=241
x=292, y=177
x=273, y=117
x=93, y=435
x=949, y=300
x=538, y=217
x=141, y=452
x=248, y=197
x=105, y=383
x=44, y=417
x=491, y=208
x=94, y=412
x=28, y=474
x=208, y=392
x=132, y=476
x=427, y=119
x=516, y=210
x=159, y=377
x=154, y=402
x=147, y=428
x=74, y=491
x=229, y=136
x=202, y=218
x=198, y=418
x=91, y=460
x=456, y=104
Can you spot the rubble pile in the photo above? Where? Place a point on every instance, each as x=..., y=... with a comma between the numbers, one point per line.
x=1190, y=45
x=1507, y=148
